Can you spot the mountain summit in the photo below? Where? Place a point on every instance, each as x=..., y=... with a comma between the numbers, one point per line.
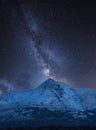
x=51, y=96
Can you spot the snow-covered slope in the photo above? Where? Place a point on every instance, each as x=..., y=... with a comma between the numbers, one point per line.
x=87, y=97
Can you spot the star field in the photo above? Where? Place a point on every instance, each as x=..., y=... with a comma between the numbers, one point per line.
x=43, y=39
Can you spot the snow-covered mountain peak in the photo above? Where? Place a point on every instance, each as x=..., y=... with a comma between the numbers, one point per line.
x=63, y=93
x=52, y=84
x=51, y=96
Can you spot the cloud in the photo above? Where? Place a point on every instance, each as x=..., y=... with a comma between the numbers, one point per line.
x=6, y=86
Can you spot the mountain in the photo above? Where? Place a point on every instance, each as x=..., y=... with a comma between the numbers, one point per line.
x=52, y=103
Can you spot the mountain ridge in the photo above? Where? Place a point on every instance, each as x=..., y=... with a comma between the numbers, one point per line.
x=56, y=91
x=50, y=93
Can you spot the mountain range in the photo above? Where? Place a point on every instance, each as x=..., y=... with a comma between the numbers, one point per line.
x=53, y=103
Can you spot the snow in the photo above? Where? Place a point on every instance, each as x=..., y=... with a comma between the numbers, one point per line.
x=87, y=97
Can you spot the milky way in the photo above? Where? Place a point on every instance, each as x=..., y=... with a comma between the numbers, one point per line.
x=47, y=39
x=44, y=56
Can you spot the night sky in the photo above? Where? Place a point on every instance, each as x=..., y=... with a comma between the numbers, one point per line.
x=47, y=38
